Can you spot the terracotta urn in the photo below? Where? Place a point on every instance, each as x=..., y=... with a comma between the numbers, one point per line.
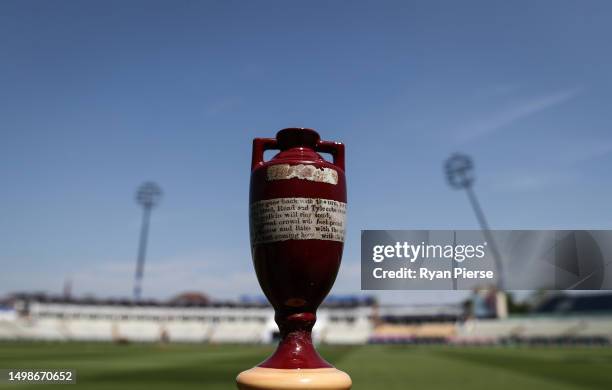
x=297, y=216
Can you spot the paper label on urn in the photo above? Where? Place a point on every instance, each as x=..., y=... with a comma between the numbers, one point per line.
x=303, y=172
x=282, y=219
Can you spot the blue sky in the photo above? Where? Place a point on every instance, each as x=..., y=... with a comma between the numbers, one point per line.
x=96, y=97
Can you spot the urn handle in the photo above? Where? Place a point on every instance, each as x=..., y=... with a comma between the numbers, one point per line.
x=336, y=149
x=260, y=145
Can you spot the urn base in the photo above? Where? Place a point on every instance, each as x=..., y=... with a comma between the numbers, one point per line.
x=261, y=378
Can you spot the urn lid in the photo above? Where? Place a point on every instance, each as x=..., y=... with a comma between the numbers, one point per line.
x=294, y=137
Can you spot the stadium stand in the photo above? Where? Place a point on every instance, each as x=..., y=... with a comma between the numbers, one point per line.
x=558, y=319
x=423, y=324
x=425, y=333
x=192, y=318
x=346, y=326
x=186, y=318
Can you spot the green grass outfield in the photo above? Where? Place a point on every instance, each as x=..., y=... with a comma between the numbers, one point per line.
x=174, y=366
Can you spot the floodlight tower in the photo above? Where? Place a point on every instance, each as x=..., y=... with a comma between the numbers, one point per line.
x=147, y=195
x=459, y=170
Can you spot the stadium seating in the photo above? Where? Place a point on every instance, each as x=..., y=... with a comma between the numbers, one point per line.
x=486, y=331
x=188, y=331
x=345, y=322
x=413, y=333
x=357, y=332
x=238, y=332
x=140, y=331
x=88, y=330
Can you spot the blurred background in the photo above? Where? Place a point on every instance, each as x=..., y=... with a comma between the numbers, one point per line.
x=124, y=169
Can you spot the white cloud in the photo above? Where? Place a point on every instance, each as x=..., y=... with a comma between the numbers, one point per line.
x=522, y=109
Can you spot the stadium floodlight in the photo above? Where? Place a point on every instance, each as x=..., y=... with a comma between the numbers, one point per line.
x=459, y=170
x=147, y=195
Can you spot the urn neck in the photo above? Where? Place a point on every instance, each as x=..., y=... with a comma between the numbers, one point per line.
x=297, y=137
